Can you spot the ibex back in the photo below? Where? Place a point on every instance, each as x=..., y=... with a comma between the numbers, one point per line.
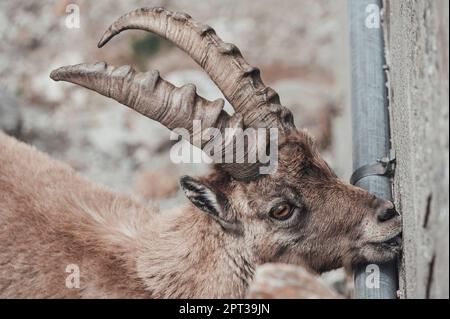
x=236, y=220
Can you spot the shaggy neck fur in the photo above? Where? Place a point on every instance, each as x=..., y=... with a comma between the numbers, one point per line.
x=191, y=256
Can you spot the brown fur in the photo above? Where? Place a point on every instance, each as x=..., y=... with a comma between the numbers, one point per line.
x=51, y=217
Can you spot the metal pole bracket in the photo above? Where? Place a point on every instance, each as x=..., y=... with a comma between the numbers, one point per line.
x=384, y=166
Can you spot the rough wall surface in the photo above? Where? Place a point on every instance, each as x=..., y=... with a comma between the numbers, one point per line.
x=417, y=54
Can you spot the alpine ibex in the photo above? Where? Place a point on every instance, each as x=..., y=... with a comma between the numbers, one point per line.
x=236, y=220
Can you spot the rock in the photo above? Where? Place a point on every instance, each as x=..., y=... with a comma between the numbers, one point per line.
x=340, y=281
x=10, y=116
x=282, y=281
x=313, y=106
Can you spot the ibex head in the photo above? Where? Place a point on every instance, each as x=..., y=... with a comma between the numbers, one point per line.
x=301, y=213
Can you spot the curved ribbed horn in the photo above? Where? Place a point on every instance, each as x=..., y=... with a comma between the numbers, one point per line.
x=147, y=93
x=152, y=96
x=240, y=83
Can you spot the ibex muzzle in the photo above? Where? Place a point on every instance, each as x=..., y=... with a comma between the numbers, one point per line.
x=238, y=219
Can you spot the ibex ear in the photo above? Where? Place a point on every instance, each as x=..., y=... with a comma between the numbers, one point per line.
x=208, y=200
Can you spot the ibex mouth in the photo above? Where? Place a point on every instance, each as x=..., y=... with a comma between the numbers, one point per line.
x=393, y=243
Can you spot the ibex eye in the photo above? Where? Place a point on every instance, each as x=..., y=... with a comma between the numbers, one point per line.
x=282, y=212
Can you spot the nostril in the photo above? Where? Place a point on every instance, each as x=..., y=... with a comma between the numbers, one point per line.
x=386, y=214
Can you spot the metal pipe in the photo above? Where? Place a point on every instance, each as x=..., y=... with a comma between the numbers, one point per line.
x=370, y=123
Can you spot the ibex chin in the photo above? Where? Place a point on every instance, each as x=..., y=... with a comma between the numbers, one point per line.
x=236, y=220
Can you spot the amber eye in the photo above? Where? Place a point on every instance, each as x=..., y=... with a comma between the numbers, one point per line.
x=281, y=212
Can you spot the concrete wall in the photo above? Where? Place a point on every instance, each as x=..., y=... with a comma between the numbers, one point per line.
x=417, y=54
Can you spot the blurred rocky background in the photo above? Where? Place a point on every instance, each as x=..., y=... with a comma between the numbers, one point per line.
x=299, y=45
